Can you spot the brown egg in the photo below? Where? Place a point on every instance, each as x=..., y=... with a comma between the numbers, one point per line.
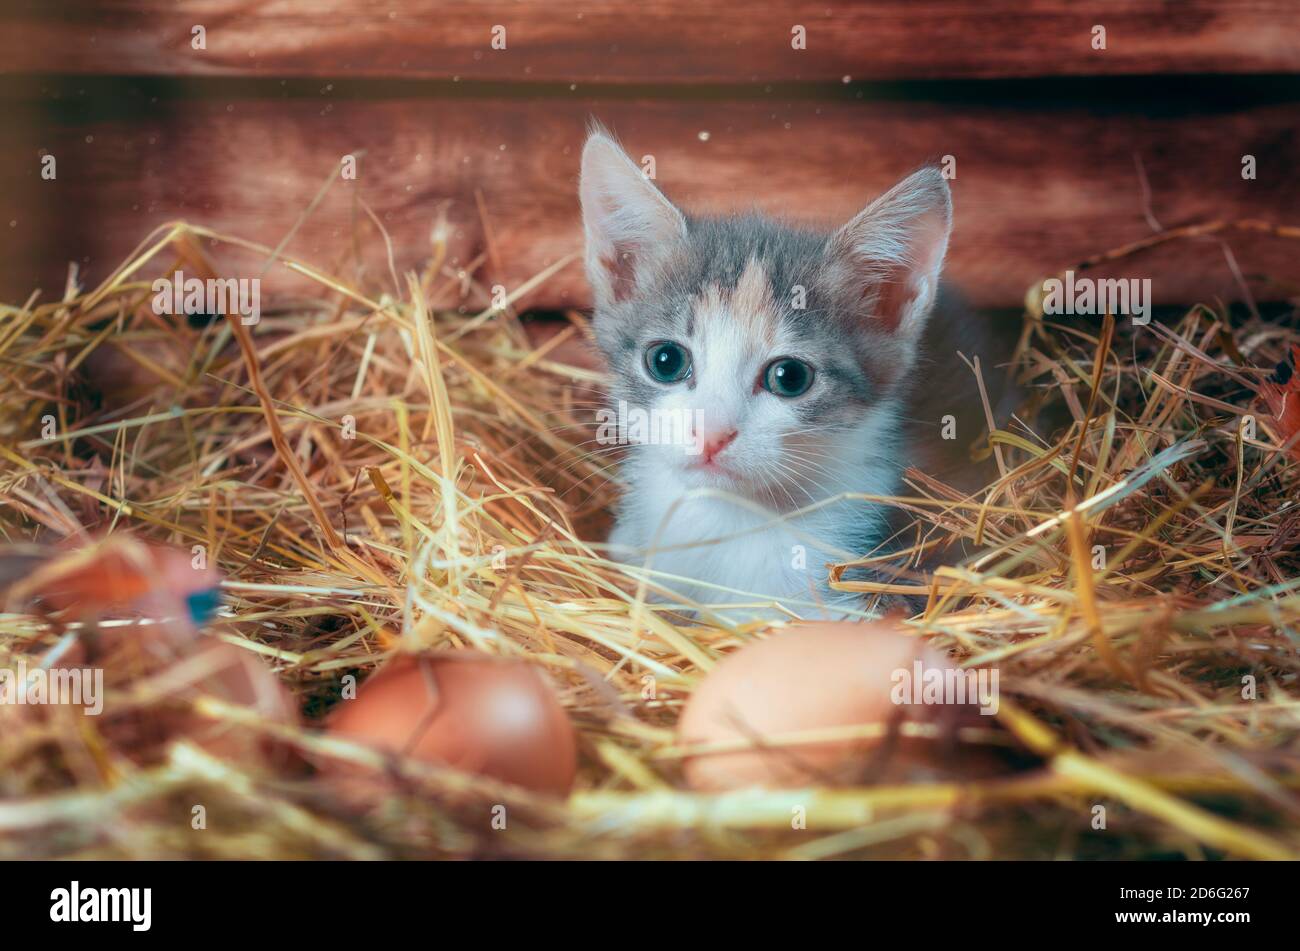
x=180, y=674
x=211, y=668
x=475, y=712
x=147, y=680
x=812, y=677
x=118, y=572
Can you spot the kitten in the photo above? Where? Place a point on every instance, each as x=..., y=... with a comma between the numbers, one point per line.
x=788, y=356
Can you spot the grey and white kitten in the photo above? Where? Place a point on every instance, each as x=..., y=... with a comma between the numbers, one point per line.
x=792, y=354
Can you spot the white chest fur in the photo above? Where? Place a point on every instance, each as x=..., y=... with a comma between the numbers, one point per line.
x=712, y=548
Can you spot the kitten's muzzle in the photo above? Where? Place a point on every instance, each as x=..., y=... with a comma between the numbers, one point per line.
x=711, y=445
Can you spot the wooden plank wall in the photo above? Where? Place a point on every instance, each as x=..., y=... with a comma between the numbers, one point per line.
x=1052, y=139
x=658, y=41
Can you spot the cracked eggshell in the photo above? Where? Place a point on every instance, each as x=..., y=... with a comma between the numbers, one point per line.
x=474, y=712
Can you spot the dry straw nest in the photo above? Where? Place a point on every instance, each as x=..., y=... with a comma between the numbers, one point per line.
x=471, y=444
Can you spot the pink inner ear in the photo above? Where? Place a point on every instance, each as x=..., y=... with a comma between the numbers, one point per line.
x=620, y=265
x=889, y=297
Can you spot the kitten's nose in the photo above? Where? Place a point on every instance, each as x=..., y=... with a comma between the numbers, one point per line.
x=712, y=443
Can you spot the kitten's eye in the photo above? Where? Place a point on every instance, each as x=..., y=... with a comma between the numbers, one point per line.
x=787, y=377
x=668, y=362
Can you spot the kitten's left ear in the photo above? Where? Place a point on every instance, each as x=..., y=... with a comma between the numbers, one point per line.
x=887, y=259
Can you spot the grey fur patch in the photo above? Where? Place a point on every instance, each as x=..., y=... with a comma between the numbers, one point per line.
x=858, y=363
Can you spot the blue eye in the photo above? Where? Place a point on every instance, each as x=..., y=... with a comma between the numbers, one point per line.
x=668, y=362
x=787, y=377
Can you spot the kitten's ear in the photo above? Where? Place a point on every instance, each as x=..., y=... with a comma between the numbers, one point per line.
x=886, y=261
x=630, y=225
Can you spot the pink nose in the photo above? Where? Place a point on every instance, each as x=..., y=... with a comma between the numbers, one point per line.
x=711, y=444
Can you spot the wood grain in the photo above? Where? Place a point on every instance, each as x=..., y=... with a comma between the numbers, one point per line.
x=736, y=41
x=1038, y=188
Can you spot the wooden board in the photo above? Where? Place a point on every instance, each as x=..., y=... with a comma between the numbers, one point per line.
x=738, y=41
x=1037, y=188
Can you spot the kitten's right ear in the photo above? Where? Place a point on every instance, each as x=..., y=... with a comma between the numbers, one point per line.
x=630, y=225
